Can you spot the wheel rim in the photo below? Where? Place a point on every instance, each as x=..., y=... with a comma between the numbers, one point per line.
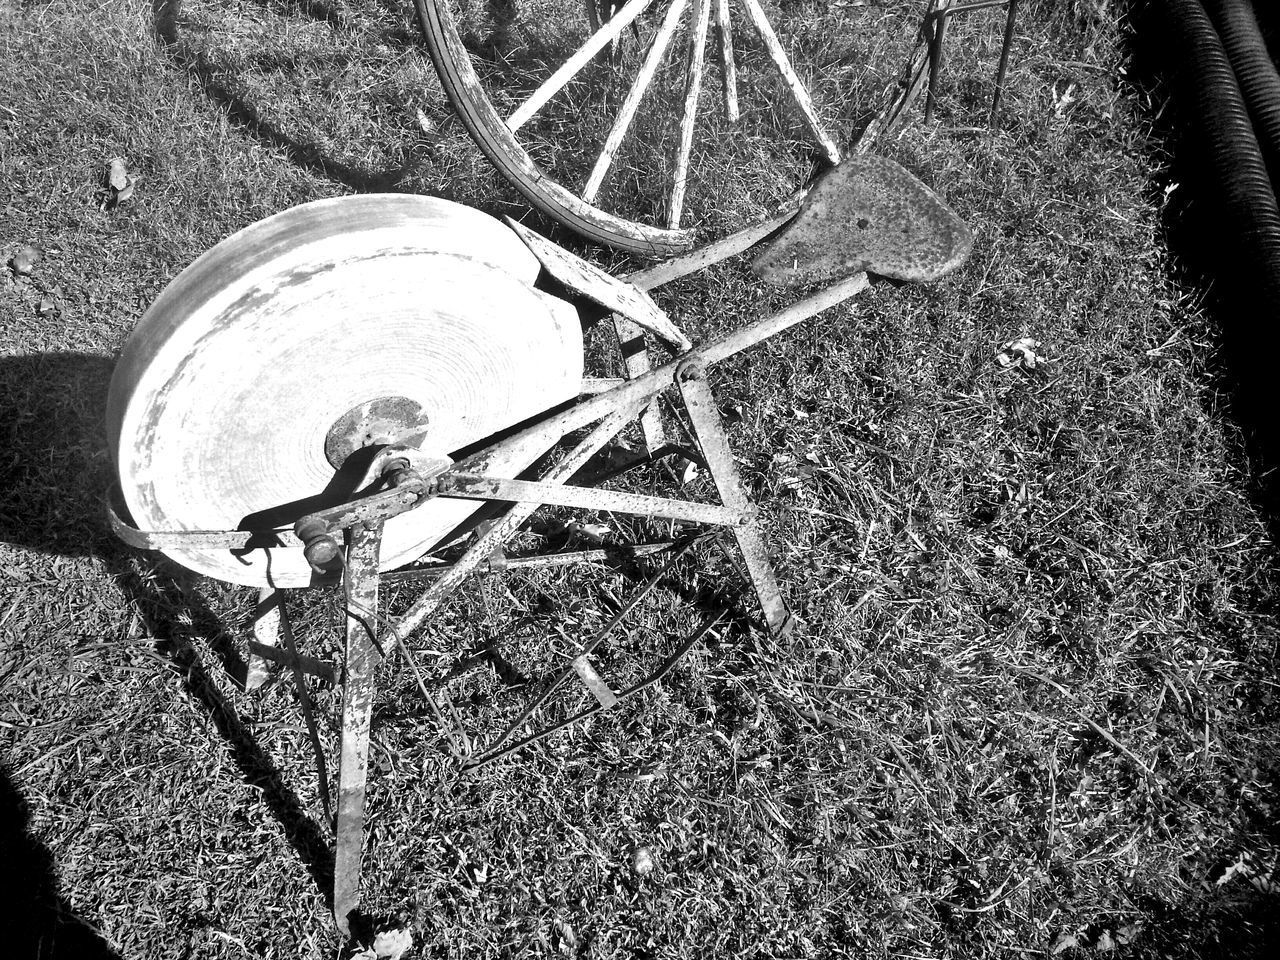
x=654, y=120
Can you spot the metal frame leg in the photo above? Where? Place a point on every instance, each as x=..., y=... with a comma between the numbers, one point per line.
x=360, y=582
x=939, y=18
x=708, y=428
x=635, y=356
x=1009, y=23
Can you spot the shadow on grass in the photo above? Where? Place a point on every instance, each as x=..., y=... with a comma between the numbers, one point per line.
x=1211, y=258
x=167, y=21
x=164, y=599
x=1210, y=253
x=37, y=923
x=51, y=501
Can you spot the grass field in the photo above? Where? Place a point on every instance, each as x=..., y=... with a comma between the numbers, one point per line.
x=1032, y=708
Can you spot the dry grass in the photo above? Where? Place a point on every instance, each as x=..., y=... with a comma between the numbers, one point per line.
x=1032, y=711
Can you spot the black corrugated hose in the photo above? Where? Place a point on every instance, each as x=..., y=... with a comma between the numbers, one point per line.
x=1238, y=27
x=1207, y=84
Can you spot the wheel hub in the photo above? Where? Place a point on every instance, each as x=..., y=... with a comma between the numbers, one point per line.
x=377, y=422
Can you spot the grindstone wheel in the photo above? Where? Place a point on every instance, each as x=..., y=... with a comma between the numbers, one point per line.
x=260, y=382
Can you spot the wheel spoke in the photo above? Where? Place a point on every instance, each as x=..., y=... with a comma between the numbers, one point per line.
x=570, y=68
x=728, y=69
x=792, y=80
x=697, y=41
x=628, y=111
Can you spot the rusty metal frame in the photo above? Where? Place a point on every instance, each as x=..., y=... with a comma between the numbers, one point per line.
x=405, y=483
x=611, y=410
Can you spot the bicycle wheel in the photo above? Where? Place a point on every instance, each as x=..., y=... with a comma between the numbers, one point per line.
x=631, y=121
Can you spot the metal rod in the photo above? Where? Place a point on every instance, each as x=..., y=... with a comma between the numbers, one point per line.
x=546, y=432
x=538, y=561
x=709, y=430
x=684, y=264
x=1009, y=23
x=472, y=486
x=589, y=648
x=939, y=20
x=664, y=668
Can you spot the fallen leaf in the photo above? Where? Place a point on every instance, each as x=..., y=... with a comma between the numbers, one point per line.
x=642, y=862
x=392, y=944
x=568, y=939
x=119, y=184
x=592, y=531
x=117, y=174
x=1065, y=941
x=1241, y=866
x=424, y=122
x=47, y=308
x=1060, y=103
x=24, y=261
x=1020, y=352
x=689, y=473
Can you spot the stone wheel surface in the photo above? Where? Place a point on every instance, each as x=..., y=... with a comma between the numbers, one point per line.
x=229, y=387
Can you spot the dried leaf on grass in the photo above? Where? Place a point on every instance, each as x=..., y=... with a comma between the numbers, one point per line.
x=387, y=945
x=1019, y=353
x=24, y=261
x=642, y=862
x=119, y=183
x=597, y=532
